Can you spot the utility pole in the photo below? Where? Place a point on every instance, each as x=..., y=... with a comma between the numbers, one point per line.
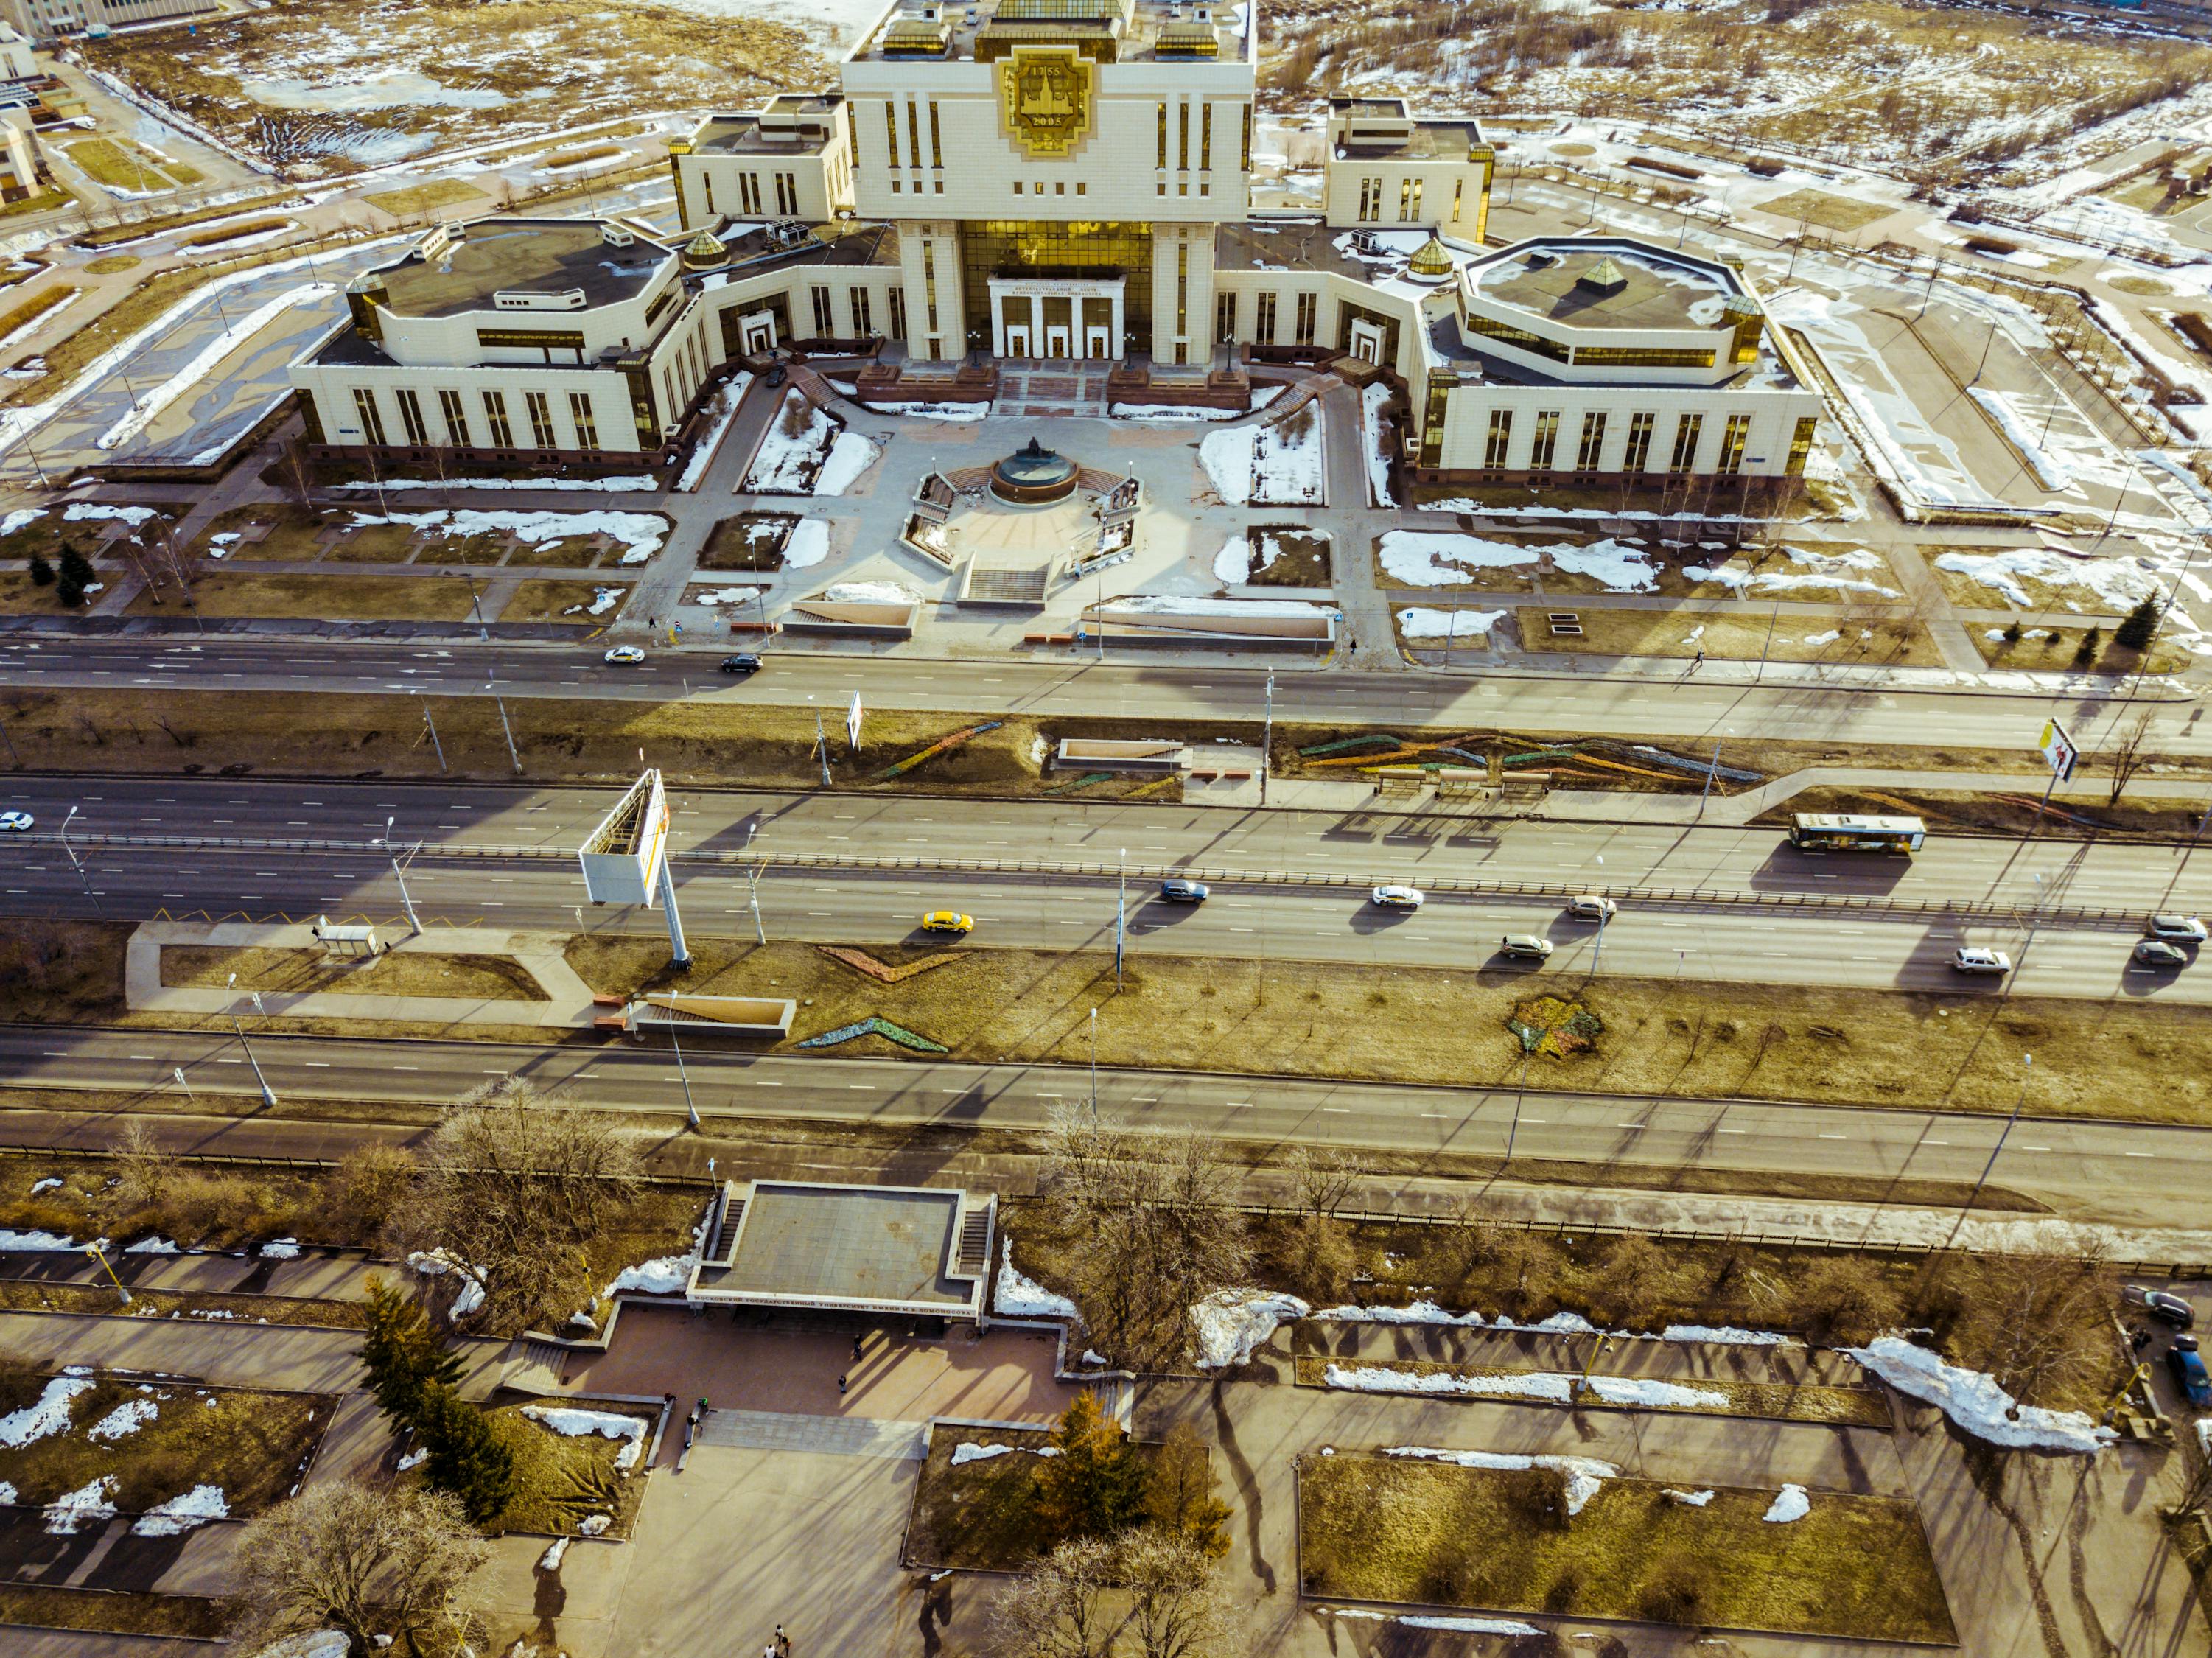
x=178, y=1071
x=1120, y=911
x=1267, y=740
x=1520, y=1094
x=1712, y=772
x=268, y=1095
x=96, y=1252
x=2027, y=1066
x=760, y=930
x=432, y=725
x=1094, y=1065
x=74, y=863
x=399, y=875
x=476, y=607
x=492, y=686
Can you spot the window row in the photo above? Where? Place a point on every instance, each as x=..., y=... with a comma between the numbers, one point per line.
x=1637, y=453
x=495, y=411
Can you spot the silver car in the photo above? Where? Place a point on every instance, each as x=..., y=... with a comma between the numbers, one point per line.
x=1590, y=907
x=1525, y=946
x=2179, y=929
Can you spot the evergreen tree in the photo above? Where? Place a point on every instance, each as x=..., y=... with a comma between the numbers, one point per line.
x=2141, y=624
x=77, y=575
x=1179, y=1496
x=465, y=1457
x=1096, y=1486
x=42, y=574
x=2085, y=653
x=402, y=1356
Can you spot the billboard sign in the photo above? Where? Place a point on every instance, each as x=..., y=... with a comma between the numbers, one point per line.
x=2059, y=751
x=622, y=857
x=852, y=723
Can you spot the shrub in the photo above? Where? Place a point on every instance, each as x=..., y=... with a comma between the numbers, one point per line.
x=1673, y=1593
x=1318, y=1259
x=366, y=1188
x=1846, y=1298
x=2085, y=653
x=42, y=574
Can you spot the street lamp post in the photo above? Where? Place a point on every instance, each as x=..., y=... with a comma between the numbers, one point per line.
x=1094, y=1064
x=440, y=748
x=821, y=744
x=683, y=1076
x=1120, y=910
x=760, y=928
x=400, y=876
x=1712, y=772
x=1519, y=1095
x=268, y=1094
x=1268, y=737
x=74, y=861
x=491, y=685
x=476, y=606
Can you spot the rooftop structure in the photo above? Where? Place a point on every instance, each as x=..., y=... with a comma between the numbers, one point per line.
x=1382, y=129
x=513, y=264
x=1603, y=285
x=915, y=1250
x=795, y=124
x=1104, y=31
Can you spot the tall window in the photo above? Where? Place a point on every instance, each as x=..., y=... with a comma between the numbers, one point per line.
x=1263, y=321
x=1309, y=315
x=454, y=413
x=929, y=282
x=1459, y=187
x=1733, y=436
x=1363, y=201
x=1417, y=201
x=1245, y=153
x=890, y=128
x=411, y=417
x=1183, y=134
x=1160, y=143
x=1206, y=135
x=936, y=142
x=853, y=128
x=749, y=194
x=1685, y=443
x=707, y=180
x=1801, y=445
x=863, y=323
x=1593, y=443
x=825, y=323
x=786, y=194
x=1370, y=196
x=1546, y=440
x=1405, y=200
x=579, y=415
x=541, y=420
x=1639, y=442
x=912, y=134
x=1501, y=439
x=1183, y=293
x=372, y=420
x=503, y=434
x=1225, y=317
x=898, y=313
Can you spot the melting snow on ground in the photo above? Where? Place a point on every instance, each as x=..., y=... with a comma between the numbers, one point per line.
x=665, y=1277
x=710, y=442
x=1255, y=464
x=1230, y=1323
x=93, y=1501
x=127, y=1418
x=603, y=600
x=2000, y=407
x=1424, y=1620
x=1379, y=457
x=45, y=1185
x=181, y=1514
x=639, y=533
x=1554, y=1386
x=280, y=1249
x=1422, y=558
x=628, y=483
x=850, y=456
x=44, y=1416
x=1789, y=1503
x=1419, y=623
x=1976, y=1402
x=968, y=1451
x=1692, y=1499
x=608, y=1424
x=151, y=1247
x=1233, y=563
x=1584, y=1473
x=808, y=544
x=2120, y=583
x=1018, y=1296
x=203, y=362
x=550, y=1560
x=1824, y=572
x=726, y=596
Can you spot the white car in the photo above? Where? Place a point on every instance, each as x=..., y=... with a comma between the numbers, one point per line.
x=1972, y=958
x=14, y=822
x=1398, y=897
x=2179, y=929
x=624, y=655
x=1589, y=907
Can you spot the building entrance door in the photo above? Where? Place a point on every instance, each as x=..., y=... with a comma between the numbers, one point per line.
x=1366, y=341
x=1055, y=341
x=1097, y=344
x=1017, y=341
x=758, y=331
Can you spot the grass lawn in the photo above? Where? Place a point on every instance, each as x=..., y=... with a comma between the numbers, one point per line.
x=251, y=1442
x=561, y=1479
x=982, y=1515
x=1775, y=1400
x=47, y=533
x=407, y=972
x=560, y=601
x=20, y=596
x=44, y=201
x=1300, y=556
x=32, y=1295
x=2052, y=650
x=425, y=197
x=292, y=531
x=1829, y=212
x=121, y=163
x=750, y=541
x=1964, y=591
x=111, y=264
x=1958, y=1051
x=335, y=597
x=1864, y=637
x=156, y=224
x=21, y=316
x=233, y=232
x=113, y=1612
x=1398, y=1530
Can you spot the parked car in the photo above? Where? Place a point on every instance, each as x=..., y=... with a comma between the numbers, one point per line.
x=1972, y=958
x=1398, y=897
x=2179, y=929
x=1180, y=891
x=2165, y=1307
x=2186, y=1366
x=1589, y=907
x=947, y=920
x=1526, y=945
x=742, y=662
x=624, y=655
x=2156, y=952
x=15, y=822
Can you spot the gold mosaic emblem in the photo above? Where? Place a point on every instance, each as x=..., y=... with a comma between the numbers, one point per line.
x=1045, y=95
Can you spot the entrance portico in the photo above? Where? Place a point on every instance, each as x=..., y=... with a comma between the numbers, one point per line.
x=1067, y=318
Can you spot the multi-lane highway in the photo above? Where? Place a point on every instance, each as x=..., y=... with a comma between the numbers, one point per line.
x=2144, y=1176
x=1540, y=702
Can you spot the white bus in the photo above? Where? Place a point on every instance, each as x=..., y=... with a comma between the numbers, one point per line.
x=1825, y=831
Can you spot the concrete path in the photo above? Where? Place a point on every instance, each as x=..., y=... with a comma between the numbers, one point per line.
x=235, y=1355
x=568, y=1002
x=314, y=1275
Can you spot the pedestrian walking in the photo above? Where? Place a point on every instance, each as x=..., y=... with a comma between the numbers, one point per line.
x=856, y=1349
x=841, y=1387
x=782, y=1642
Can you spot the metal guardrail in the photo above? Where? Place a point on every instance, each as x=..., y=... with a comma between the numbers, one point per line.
x=2080, y=915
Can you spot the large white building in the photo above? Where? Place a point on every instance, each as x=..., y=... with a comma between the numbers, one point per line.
x=1026, y=179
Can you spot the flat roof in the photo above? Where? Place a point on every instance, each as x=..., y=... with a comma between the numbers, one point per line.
x=1111, y=31
x=494, y=256
x=793, y=125
x=1656, y=289
x=1425, y=141
x=847, y=244
x=807, y=1245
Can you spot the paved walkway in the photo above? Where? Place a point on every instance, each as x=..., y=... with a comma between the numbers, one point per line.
x=568, y=1002
x=313, y=1275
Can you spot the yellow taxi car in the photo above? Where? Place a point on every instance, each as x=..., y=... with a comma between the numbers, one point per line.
x=947, y=920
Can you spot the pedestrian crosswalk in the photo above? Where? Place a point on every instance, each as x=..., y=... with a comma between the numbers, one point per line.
x=833, y=1435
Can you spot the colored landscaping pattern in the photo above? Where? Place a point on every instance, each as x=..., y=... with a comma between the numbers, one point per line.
x=876, y=1025
x=937, y=748
x=1082, y=782
x=882, y=971
x=1553, y=1026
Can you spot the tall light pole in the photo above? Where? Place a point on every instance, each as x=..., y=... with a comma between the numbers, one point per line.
x=1519, y=1095
x=1712, y=772
x=2027, y=1066
x=821, y=744
x=79, y=867
x=760, y=929
x=689, y=1109
x=1094, y=1064
x=492, y=687
x=476, y=607
x=433, y=725
x=268, y=1095
x=1268, y=739
x=1121, y=911
x=400, y=875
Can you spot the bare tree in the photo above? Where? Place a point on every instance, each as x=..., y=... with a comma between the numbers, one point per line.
x=523, y=1185
x=1322, y=1178
x=1152, y=1222
x=1175, y=1605
x=144, y=1166
x=1054, y=1611
x=364, y=1560
x=2126, y=756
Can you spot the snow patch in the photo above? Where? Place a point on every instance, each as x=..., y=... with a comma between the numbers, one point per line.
x=1789, y=1503
x=203, y=362
x=93, y=1501
x=627, y=484
x=280, y=1249
x=1230, y=1323
x=127, y=1418
x=1584, y=1473
x=151, y=1247
x=45, y=1185
x=46, y=1415
x=1976, y=1402
x=1418, y=622
x=667, y=1275
x=1378, y=458
x=608, y=1424
x=182, y=1514
x=808, y=544
x=641, y=534
x=1552, y=1387
x=968, y=1451
x=1692, y=1499
x=710, y=442
x=1018, y=1296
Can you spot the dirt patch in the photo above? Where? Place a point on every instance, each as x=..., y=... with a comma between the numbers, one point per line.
x=563, y=1479
x=1402, y=1530
x=331, y=596
x=749, y=541
x=1829, y=212
x=403, y=973
x=1288, y=556
x=2066, y=818
x=36, y=1295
